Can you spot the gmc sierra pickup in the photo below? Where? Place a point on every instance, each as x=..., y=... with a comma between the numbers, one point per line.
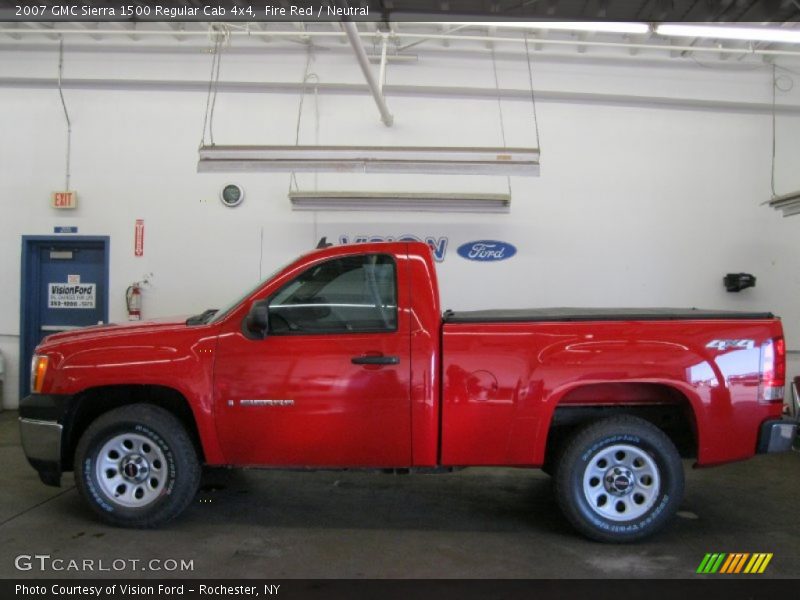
x=343, y=359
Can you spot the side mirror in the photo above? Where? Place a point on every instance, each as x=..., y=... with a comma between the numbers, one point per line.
x=257, y=320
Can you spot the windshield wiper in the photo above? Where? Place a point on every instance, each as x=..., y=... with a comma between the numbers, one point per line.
x=202, y=318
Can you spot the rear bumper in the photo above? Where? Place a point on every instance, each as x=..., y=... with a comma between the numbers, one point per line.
x=776, y=435
x=41, y=428
x=792, y=408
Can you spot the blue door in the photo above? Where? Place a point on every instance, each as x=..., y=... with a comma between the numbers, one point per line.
x=64, y=287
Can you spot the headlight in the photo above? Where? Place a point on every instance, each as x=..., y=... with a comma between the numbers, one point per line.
x=38, y=370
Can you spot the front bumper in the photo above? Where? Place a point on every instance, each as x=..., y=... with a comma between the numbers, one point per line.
x=776, y=435
x=41, y=441
x=41, y=419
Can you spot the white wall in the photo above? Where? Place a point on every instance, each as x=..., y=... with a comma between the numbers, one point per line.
x=637, y=203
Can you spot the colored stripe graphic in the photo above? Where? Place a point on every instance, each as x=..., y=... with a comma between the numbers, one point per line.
x=759, y=563
x=741, y=563
x=711, y=563
x=704, y=563
x=729, y=563
x=756, y=560
x=734, y=563
x=717, y=563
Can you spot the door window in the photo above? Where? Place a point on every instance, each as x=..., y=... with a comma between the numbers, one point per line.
x=353, y=294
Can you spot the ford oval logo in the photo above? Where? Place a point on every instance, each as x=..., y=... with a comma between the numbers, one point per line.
x=486, y=250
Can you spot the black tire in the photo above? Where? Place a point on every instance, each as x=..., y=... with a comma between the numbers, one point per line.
x=162, y=453
x=610, y=449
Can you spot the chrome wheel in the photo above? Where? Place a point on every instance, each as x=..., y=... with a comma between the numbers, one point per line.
x=621, y=482
x=131, y=470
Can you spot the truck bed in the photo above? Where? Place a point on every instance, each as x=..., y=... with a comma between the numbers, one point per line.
x=531, y=315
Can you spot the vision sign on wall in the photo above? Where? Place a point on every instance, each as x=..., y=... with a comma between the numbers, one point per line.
x=438, y=244
x=476, y=250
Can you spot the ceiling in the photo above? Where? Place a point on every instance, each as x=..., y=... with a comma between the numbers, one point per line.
x=623, y=10
x=412, y=26
x=627, y=10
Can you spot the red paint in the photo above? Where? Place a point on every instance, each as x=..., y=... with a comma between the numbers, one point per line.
x=138, y=238
x=490, y=388
x=537, y=365
x=343, y=413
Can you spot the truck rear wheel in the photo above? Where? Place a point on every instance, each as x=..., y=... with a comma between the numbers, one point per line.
x=136, y=466
x=619, y=480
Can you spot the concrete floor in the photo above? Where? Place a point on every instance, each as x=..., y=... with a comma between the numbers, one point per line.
x=493, y=523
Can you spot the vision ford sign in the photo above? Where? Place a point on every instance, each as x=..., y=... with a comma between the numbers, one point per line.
x=486, y=250
x=438, y=244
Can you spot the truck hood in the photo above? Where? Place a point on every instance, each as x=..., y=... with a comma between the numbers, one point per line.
x=115, y=329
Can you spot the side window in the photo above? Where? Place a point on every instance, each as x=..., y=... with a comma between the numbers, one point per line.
x=344, y=295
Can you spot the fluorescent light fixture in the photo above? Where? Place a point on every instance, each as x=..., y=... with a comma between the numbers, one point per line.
x=789, y=203
x=584, y=26
x=753, y=34
x=370, y=159
x=404, y=202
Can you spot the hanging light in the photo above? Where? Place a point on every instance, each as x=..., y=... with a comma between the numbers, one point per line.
x=404, y=202
x=579, y=26
x=789, y=203
x=370, y=159
x=752, y=34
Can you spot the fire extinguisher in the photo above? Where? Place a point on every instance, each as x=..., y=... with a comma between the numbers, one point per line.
x=133, y=301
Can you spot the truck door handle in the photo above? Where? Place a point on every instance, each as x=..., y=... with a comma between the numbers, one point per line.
x=375, y=360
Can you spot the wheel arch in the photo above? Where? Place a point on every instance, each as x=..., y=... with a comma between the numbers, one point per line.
x=91, y=403
x=666, y=406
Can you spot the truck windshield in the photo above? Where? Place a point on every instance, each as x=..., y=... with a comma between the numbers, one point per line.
x=223, y=312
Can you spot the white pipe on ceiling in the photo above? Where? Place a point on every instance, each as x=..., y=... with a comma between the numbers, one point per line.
x=420, y=36
x=419, y=91
x=363, y=61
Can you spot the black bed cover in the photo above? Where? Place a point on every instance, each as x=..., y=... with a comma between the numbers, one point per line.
x=597, y=314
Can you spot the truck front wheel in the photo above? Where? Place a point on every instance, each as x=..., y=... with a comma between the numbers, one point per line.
x=136, y=466
x=619, y=480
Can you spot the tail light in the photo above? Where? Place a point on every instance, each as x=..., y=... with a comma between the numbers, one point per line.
x=773, y=370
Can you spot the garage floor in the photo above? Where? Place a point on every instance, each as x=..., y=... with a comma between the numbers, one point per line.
x=499, y=523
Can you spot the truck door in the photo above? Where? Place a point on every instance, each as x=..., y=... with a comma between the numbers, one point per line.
x=329, y=384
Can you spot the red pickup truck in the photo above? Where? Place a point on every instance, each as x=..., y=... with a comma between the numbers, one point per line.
x=343, y=359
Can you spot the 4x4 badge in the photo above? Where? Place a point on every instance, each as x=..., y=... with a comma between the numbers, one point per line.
x=728, y=344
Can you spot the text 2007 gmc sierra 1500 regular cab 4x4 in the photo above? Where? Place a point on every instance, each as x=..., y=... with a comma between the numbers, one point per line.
x=344, y=360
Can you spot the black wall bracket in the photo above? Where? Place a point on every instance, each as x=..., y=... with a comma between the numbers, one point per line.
x=736, y=282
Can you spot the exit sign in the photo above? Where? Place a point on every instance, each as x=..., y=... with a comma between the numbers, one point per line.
x=65, y=200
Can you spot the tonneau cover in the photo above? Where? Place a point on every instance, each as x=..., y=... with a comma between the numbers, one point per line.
x=597, y=314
